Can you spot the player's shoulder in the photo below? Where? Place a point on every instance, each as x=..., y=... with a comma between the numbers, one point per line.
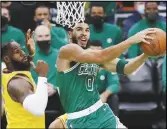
x=68, y=48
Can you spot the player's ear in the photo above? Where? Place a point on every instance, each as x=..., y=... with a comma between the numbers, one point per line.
x=6, y=59
x=70, y=34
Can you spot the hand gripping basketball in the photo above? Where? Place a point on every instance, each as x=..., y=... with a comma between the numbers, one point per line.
x=143, y=36
x=157, y=46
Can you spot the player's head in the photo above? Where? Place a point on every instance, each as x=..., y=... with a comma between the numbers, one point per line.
x=95, y=45
x=41, y=13
x=80, y=34
x=151, y=11
x=43, y=38
x=14, y=57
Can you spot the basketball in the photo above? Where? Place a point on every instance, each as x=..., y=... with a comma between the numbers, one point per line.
x=157, y=46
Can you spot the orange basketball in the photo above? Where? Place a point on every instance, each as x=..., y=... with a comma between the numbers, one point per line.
x=157, y=46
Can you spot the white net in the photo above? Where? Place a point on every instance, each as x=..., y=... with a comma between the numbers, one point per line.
x=70, y=13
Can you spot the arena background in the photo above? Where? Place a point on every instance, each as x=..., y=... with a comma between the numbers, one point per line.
x=134, y=113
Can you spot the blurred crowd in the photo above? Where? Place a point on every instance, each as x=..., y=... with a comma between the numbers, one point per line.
x=144, y=90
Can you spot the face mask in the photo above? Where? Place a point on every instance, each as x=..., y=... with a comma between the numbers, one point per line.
x=140, y=8
x=97, y=21
x=152, y=17
x=39, y=22
x=44, y=45
x=4, y=23
x=21, y=66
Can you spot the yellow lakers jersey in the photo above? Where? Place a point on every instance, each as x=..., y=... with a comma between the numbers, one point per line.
x=17, y=116
x=63, y=119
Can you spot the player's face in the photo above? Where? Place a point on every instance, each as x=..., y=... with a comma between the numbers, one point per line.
x=41, y=14
x=81, y=34
x=17, y=57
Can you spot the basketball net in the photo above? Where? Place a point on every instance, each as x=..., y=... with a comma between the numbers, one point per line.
x=70, y=13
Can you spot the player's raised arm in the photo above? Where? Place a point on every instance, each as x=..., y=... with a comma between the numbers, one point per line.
x=73, y=52
x=123, y=66
x=21, y=91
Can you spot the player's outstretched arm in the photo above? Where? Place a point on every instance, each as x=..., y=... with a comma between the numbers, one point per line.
x=125, y=67
x=22, y=91
x=73, y=52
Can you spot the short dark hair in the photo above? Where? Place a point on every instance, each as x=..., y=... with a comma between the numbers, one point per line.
x=70, y=29
x=5, y=48
x=96, y=43
x=98, y=4
x=41, y=6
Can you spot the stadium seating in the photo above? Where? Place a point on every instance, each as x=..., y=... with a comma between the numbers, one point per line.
x=141, y=96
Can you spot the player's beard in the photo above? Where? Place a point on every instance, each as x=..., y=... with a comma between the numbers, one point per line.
x=74, y=40
x=21, y=66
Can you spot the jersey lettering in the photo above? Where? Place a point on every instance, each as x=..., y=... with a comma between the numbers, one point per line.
x=91, y=71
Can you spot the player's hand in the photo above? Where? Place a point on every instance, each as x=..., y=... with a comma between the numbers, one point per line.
x=51, y=89
x=142, y=36
x=41, y=68
x=30, y=42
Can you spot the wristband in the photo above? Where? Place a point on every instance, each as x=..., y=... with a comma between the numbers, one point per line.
x=120, y=66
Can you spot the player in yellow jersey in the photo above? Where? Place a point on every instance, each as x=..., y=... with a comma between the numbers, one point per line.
x=24, y=103
x=59, y=123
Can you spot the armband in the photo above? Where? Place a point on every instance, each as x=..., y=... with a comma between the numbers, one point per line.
x=120, y=66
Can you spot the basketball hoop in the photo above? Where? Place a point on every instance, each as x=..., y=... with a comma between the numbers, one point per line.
x=70, y=13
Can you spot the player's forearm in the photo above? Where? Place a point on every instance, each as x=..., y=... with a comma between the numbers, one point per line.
x=135, y=63
x=107, y=93
x=37, y=102
x=116, y=50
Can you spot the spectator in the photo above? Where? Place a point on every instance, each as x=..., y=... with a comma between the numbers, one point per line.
x=134, y=18
x=107, y=84
x=58, y=35
x=21, y=14
x=48, y=54
x=151, y=20
x=110, y=9
x=108, y=34
x=9, y=32
x=45, y=53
